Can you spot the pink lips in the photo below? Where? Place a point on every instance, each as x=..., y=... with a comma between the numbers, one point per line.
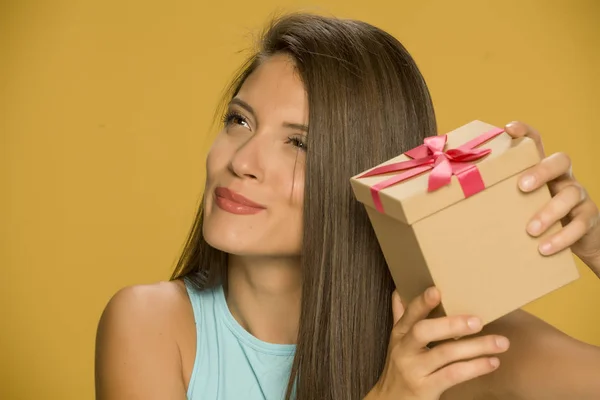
x=235, y=203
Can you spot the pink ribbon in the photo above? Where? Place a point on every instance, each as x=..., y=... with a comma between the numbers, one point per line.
x=443, y=164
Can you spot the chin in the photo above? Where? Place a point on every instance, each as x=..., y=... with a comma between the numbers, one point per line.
x=223, y=239
x=232, y=239
x=245, y=244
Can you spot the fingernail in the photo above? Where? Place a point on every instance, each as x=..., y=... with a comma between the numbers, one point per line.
x=546, y=248
x=431, y=292
x=527, y=182
x=474, y=323
x=494, y=362
x=502, y=343
x=534, y=227
x=511, y=124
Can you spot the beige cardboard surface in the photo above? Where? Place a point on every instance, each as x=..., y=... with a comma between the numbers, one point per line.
x=404, y=257
x=409, y=200
x=475, y=250
x=402, y=250
x=481, y=257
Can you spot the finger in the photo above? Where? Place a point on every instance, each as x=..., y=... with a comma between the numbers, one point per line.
x=557, y=165
x=438, y=329
x=463, y=371
x=570, y=234
x=397, y=307
x=557, y=208
x=464, y=349
x=518, y=129
x=418, y=309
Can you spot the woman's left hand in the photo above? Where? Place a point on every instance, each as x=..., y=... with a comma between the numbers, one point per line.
x=570, y=204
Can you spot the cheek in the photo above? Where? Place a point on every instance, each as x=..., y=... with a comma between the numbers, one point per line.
x=217, y=158
x=297, y=188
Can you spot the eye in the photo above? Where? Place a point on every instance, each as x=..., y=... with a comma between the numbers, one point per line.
x=297, y=141
x=236, y=119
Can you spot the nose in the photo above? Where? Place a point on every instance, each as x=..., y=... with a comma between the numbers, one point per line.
x=248, y=159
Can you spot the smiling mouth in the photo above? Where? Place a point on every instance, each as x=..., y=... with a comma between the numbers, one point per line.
x=235, y=203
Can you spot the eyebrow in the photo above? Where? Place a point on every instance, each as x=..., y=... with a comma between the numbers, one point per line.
x=249, y=108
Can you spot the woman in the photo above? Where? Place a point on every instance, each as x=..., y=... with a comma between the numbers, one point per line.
x=282, y=290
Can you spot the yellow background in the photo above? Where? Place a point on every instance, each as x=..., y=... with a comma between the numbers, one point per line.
x=105, y=119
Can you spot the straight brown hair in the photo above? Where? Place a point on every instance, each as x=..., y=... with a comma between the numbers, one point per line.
x=368, y=102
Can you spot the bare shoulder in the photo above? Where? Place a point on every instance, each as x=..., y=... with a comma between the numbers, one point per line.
x=147, y=303
x=144, y=311
x=138, y=343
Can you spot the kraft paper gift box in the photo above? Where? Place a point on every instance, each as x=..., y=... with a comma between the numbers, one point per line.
x=450, y=214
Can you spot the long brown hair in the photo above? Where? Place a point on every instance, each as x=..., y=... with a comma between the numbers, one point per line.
x=367, y=103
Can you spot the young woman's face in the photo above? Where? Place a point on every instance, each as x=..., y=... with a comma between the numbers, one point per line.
x=255, y=168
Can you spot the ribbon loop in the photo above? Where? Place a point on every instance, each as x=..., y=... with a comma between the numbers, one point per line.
x=430, y=156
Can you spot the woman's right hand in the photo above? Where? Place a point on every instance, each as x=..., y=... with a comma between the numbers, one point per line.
x=415, y=372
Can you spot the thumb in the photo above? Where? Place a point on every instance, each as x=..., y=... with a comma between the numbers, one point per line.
x=397, y=307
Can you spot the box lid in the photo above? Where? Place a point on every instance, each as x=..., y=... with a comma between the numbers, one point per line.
x=409, y=201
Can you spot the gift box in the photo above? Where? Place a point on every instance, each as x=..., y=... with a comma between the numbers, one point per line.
x=449, y=214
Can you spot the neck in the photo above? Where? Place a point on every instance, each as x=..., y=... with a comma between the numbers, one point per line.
x=263, y=295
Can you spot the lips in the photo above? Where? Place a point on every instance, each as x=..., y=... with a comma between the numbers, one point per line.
x=235, y=203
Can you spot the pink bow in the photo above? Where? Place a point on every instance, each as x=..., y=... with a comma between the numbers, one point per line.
x=443, y=164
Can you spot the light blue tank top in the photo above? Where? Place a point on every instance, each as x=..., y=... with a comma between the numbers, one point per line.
x=230, y=363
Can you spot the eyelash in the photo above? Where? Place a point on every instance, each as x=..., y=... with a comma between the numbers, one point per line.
x=297, y=142
x=231, y=116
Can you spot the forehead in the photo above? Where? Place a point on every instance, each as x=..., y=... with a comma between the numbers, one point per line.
x=276, y=87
